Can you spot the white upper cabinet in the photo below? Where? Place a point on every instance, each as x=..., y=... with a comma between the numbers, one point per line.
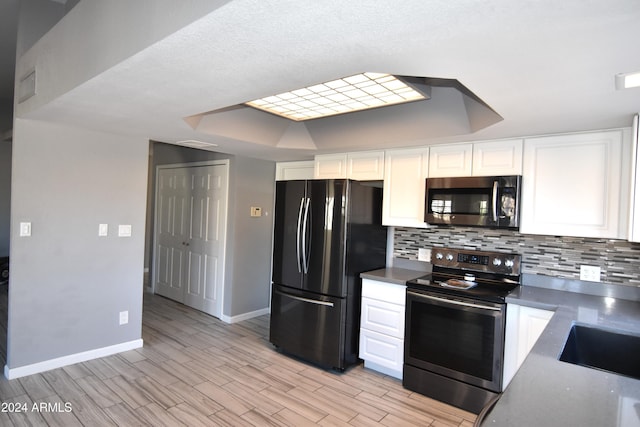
x=489, y=158
x=363, y=166
x=496, y=158
x=450, y=160
x=287, y=171
x=366, y=165
x=331, y=166
x=575, y=185
x=404, y=185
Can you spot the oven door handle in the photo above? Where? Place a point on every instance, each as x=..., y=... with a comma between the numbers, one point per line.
x=456, y=302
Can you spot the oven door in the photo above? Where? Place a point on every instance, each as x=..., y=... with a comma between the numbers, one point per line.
x=456, y=337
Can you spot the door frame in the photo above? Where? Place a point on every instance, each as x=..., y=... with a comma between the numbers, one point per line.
x=225, y=215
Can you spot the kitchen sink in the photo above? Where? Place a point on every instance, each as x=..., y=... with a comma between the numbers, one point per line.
x=603, y=349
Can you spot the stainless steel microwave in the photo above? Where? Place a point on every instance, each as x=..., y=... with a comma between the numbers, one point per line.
x=482, y=201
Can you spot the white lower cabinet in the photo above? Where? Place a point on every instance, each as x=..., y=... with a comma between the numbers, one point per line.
x=382, y=327
x=524, y=327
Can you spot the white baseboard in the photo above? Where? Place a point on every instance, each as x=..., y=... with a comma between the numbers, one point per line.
x=59, y=362
x=244, y=316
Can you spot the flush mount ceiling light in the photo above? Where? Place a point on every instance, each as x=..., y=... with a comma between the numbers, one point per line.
x=627, y=80
x=345, y=95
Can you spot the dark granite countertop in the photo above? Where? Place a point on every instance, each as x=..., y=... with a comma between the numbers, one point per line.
x=548, y=392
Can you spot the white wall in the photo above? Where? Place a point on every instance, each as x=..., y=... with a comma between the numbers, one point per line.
x=252, y=183
x=67, y=284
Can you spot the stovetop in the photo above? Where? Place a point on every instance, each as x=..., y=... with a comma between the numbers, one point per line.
x=481, y=275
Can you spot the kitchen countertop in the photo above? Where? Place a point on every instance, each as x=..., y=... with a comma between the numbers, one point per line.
x=395, y=275
x=402, y=271
x=548, y=392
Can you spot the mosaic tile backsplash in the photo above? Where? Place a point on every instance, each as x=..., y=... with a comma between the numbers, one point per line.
x=618, y=260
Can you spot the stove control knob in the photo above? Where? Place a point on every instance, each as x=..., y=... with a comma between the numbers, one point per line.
x=497, y=262
x=439, y=255
x=508, y=263
x=449, y=257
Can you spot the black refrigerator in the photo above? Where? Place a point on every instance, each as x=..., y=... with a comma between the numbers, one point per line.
x=326, y=233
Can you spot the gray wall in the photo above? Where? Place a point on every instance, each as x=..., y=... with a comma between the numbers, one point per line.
x=67, y=284
x=5, y=196
x=249, y=240
x=253, y=185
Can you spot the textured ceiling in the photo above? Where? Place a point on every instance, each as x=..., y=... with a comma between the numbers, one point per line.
x=544, y=66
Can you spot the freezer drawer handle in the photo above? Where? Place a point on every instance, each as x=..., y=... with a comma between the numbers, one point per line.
x=312, y=301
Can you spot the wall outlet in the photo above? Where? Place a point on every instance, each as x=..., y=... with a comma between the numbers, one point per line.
x=124, y=317
x=590, y=273
x=424, y=254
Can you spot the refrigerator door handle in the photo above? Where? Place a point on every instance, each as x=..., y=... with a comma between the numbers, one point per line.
x=303, y=299
x=305, y=255
x=298, y=235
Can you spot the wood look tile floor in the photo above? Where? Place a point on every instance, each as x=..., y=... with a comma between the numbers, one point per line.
x=195, y=370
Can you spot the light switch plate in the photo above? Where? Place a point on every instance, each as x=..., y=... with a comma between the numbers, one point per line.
x=25, y=229
x=124, y=230
x=103, y=230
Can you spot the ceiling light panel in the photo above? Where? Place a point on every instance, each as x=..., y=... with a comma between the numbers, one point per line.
x=345, y=95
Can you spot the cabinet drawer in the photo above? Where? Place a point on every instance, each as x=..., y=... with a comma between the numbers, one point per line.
x=384, y=291
x=381, y=349
x=382, y=317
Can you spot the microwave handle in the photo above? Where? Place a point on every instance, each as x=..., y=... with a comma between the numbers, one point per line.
x=495, y=201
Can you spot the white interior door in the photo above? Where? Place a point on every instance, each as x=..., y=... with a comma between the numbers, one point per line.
x=191, y=212
x=172, y=202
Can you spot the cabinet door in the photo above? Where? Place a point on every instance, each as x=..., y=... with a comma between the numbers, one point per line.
x=495, y=158
x=382, y=317
x=383, y=351
x=331, y=166
x=368, y=165
x=450, y=160
x=571, y=185
x=524, y=327
x=404, y=183
x=287, y=171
